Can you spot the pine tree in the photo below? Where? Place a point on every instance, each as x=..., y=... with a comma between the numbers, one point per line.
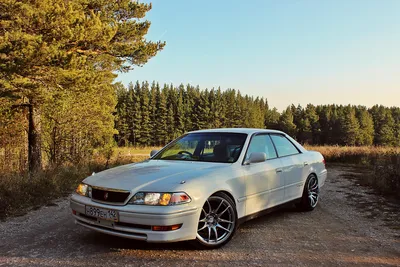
x=170, y=124
x=188, y=105
x=272, y=118
x=48, y=46
x=349, y=127
x=366, y=136
x=324, y=114
x=161, y=121
x=121, y=117
x=396, y=128
x=384, y=126
x=153, y=112
x=134, y=113
x=312, y=117
x=145, y=130
x=286, y=122
x=180, y=112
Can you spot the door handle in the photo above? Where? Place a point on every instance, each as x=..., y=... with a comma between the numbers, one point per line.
x=305, y=163
x=278, y=170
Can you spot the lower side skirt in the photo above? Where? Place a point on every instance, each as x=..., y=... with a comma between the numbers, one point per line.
x=266, y=211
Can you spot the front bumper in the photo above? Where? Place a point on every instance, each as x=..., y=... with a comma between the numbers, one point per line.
x=135, y=221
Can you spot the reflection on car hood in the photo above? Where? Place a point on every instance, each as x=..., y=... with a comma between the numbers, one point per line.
x=140, y=175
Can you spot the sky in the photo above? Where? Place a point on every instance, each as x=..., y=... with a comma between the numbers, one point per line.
x=288, y=51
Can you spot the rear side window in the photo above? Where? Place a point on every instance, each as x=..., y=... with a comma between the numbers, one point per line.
x=283, y=146
x=261, y=143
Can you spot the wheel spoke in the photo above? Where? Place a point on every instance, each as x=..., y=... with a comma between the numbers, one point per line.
x=313, y=183
x=202, y=228
x=315, y=187
x=219, y=215
x=311, y=201
x=204, y=211
x=225, y=221
x=209, y=233
x=222, y=201
x=223, y=228
x=209, y=206
x=216, y=233
x=203, y=220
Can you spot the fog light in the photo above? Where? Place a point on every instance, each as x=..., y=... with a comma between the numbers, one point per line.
x=166, y=228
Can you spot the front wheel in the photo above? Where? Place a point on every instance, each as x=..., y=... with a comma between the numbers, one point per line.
x=309, y=200
x=217, y=223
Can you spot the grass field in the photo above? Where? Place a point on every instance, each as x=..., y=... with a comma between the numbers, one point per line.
x=20, y=192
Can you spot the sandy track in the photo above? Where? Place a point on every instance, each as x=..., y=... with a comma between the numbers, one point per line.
x=351, y=226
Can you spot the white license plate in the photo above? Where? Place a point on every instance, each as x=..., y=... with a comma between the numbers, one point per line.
x=104, y=214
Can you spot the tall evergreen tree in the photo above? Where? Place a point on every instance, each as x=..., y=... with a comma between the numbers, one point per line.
x=286, y=122
x=161, y=121
x=366, y=136
x=50, y=45
x=180, y=112
x=134, y=113
x=121, y=116
x=145, y=124
x=312, y=117
x=349, y=127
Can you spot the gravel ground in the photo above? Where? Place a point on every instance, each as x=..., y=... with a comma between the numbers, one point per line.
x=351, y=226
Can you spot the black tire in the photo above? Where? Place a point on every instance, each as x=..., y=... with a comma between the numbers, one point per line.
x=223, y=209
x=309, y=199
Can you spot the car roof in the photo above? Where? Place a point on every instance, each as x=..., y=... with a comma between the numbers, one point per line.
x=237, y=130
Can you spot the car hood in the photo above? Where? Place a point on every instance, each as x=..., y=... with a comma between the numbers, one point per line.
x=151, y=174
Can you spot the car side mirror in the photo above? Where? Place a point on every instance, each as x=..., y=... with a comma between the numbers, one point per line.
x=153, y=152
x=256, y=157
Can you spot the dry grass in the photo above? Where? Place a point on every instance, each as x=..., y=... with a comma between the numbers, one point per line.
x=19, y=192
x=383, y=163
x=351, y=154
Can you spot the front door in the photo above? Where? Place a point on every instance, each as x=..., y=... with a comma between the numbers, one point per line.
x=292, y=166
x=264, y=181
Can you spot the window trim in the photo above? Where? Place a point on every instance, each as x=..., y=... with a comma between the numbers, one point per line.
x=247, y=148
x=298, y=150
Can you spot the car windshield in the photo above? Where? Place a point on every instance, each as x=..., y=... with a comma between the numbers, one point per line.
x=208, y=147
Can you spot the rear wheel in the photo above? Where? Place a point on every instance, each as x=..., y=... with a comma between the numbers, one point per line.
x=309, y=200
x=217, y=223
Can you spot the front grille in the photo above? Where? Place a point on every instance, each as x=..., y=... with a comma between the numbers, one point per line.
x=109, y=196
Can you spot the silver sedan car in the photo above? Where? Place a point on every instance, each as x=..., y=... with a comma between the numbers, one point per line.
x=200, y=187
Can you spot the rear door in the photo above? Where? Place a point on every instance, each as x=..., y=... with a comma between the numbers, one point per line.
x=292, y=166
x=264, y=182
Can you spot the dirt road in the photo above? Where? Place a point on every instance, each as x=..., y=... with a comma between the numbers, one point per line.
x=351, y=226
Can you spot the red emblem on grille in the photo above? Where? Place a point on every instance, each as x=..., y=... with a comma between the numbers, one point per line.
x=105, y=196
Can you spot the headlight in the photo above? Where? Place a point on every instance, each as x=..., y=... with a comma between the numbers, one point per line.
x=159, y=199
x=84, y=190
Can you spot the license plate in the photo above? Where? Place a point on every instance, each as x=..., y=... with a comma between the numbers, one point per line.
x=104, y=214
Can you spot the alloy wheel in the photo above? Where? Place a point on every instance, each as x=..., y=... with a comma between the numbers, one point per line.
x=217, y=221
x=313, y=190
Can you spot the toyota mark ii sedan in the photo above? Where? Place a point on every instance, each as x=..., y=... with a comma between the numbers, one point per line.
x=200, y=187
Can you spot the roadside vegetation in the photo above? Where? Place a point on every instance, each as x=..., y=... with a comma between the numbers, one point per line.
x=382, y=163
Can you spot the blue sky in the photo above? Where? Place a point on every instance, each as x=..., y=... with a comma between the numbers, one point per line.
x=288, y=51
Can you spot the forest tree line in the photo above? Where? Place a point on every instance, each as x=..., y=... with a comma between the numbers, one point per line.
x=148, y=114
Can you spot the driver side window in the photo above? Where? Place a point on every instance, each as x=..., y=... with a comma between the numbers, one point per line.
x=188, y=146
x=262, y=143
